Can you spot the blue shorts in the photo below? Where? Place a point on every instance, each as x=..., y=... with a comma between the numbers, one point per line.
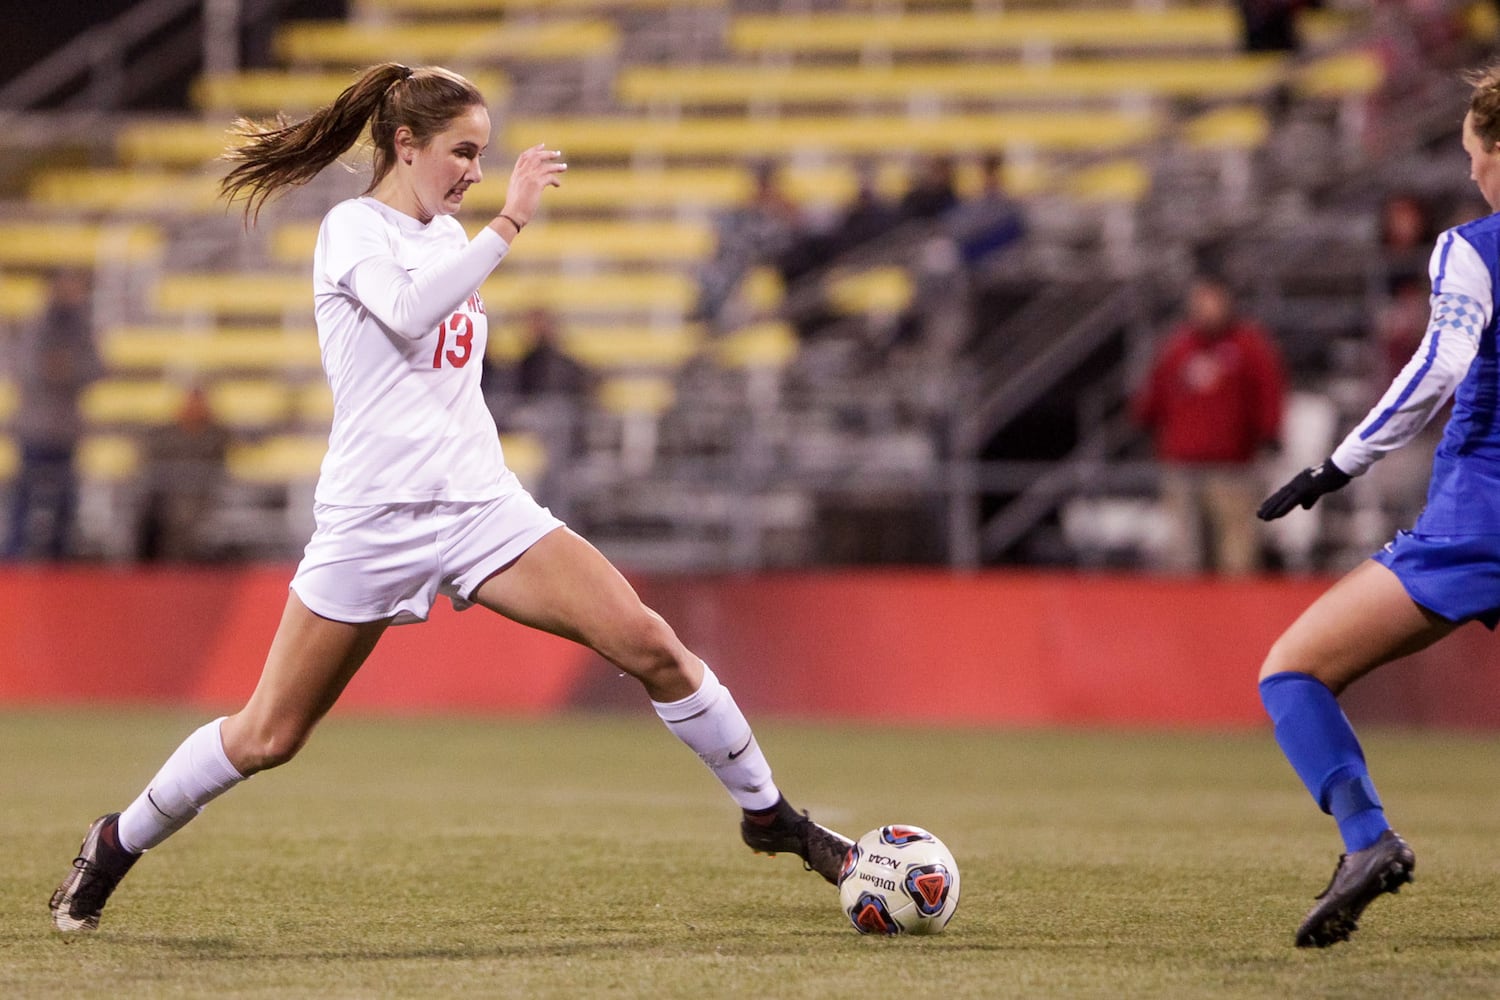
x=1456, y=577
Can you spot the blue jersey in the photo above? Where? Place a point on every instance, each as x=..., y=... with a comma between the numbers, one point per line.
x=1457, y=359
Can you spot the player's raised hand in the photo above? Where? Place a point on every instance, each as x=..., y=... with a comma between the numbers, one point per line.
x=1304, y=489
x=536, y=169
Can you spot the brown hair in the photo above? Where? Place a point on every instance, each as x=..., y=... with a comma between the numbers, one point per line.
x=425, y=100
x=1484, y=103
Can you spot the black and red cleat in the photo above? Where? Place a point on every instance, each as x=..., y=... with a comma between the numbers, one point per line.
x=783, y=830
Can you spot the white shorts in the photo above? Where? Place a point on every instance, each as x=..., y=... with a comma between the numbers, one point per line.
x=393, y=560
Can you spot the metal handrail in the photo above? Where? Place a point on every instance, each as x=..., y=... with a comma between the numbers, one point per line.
x=97, y=51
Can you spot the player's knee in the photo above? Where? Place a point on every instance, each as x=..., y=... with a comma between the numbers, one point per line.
x=265, y=748
x=647, y=648
x=1285, y=655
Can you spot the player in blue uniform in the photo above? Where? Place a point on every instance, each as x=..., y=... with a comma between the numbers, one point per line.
x=1442, y=573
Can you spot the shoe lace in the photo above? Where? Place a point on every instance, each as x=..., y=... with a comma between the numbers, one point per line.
x=1336, y=869
x=95, y=884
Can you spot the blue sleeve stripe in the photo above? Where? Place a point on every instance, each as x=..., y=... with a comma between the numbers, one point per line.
x=1437, y=285
x=1411, y=387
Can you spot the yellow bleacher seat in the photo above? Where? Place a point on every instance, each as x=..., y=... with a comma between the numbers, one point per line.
x=724, y=138
x=554, y=242
x=314, y=404
x=10, y=399
x=1238, y=127
x=761, y=290
x=431, y=7
x=883, y=290
x=1067, y=80
x=250, y=404
x=1214, y=28
x=125, y=191
x=22, y=296
x=72, y=244
x=855, y=32
x=215, y=350
x=661, y=293
x=1348, y=74
x=714, y=188
x=594, y=187
x=488, y=41
x=1121, y=181
x=283, y=458
x=636, y=394
x=107, y=458
x=525, y=455
x=771, y=344
x=10, y=459
x=297, y=93
x=608, y=346
x=266, y=296
x=506, y=345
x=174, y=142
x=131, y=401
x=617, y=242
x=620, y=349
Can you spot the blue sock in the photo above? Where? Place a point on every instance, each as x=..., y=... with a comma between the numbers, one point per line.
x=1316, y=737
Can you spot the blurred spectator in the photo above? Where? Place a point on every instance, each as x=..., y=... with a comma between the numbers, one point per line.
x=758, y=233
x=56, y=360
x=869, y=216
x=931, y=192
x=989, y=221
x=184, y=475
x=1396, y=486
x=1406, y=236
x=1213, y=402
x=1400, y=325
x=546, y=369
x=1268, y=25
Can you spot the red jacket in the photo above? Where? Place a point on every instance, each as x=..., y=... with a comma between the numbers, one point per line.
x=1214, y=399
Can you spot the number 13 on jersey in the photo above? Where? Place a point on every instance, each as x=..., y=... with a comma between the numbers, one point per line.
x=462, y=329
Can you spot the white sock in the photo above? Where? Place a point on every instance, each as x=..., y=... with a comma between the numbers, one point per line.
x=197, y=773
x=711, y=724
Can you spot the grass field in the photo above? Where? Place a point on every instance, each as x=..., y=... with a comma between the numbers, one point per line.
x=594, y=857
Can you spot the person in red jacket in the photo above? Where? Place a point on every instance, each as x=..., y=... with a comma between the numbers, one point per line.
x=1213, y=402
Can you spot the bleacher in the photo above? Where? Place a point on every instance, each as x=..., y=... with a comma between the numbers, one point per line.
x=1085, y=105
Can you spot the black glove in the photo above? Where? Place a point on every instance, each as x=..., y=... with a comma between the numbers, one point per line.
x=1304, y=490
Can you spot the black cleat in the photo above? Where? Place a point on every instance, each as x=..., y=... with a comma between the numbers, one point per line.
x=791, y=832
x=101, y=863
x=1384, y=866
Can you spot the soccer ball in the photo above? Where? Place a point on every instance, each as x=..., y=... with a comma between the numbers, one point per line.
x=899, y=880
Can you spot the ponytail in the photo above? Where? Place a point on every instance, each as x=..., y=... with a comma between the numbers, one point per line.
x=385, y=97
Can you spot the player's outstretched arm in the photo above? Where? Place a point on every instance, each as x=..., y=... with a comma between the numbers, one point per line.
x=1304, y=489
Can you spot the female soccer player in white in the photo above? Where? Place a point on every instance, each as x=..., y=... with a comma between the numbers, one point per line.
x=414, y=499
x=1426, y=582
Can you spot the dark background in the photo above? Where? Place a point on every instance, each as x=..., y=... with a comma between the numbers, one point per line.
x=32, y=31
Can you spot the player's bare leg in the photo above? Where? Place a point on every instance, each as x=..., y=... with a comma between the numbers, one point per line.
x=1363, y=621
x=565, y=586
x=310, y=662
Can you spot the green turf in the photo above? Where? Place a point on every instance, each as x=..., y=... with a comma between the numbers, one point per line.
x=594, y=857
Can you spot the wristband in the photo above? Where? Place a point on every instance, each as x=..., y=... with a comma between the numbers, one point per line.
x=519, y=225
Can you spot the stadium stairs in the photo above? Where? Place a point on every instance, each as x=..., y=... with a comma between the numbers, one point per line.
x=734, y=444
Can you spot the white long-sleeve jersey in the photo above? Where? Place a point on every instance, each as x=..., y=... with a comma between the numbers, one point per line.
x=402, y=332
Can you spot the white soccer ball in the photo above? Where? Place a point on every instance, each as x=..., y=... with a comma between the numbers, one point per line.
x=899, y=880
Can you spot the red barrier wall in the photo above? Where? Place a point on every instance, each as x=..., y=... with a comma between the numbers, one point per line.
x=991, y=648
